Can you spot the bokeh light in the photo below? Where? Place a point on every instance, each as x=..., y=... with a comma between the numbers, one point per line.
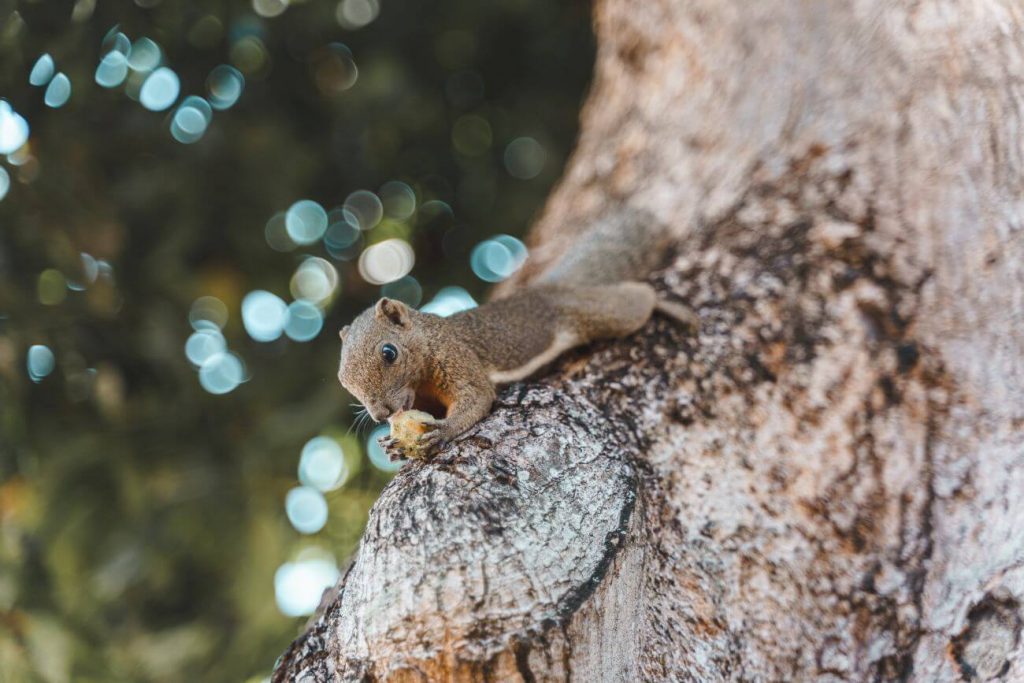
x=269, y=8
x=203, y=345
x=13, y=129
x=191, y=119
x=355, y=14
x=304, y=322
x=305, y=221
x=208, y=312
x=398, y=200
x=21, y=157
x=525, y=158
x=334, y=69
x=516, y=247
x=144, y=56
x=365, y=208
x=249, y=54
x=488, y=256
x=386, y=261
x=221, y=373
x=160, y=89
x=450, y=300
x=498, y=258
x=343, y=239
x=263, y=315
x=5, y=182
x=105, y=269
x=315, y=281
x=115, y=41
x=112, y=70
x=58, y=92
x=224, y=85
x=306, y=509
x=90, y=268
x=82, y=10
x=40, y=362
x=276, y=233
x=322, y=464
x=52, y=287
x=42, y=70
x=299, y=585
x=377, y=456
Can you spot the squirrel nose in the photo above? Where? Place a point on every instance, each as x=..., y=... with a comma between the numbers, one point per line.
x=379, y=413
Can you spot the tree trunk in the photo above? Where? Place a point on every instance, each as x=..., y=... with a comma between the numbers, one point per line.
x=827, y=482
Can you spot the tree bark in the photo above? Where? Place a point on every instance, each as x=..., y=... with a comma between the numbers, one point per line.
x=827, y=482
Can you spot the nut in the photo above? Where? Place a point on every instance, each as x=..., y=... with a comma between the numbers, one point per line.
x=406, y=428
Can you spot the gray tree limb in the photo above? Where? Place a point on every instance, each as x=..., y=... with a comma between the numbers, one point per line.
x=826, y=482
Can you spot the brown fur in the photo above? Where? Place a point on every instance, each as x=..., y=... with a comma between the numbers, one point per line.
x=451, y=364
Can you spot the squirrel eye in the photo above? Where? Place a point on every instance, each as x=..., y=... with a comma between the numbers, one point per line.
x=389, y=352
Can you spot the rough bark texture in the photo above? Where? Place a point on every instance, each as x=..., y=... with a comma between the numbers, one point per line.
x=827, y=483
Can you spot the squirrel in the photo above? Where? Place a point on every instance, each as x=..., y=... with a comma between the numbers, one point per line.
x=395, y=358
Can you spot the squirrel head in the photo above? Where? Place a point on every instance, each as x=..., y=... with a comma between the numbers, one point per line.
x=381, y=361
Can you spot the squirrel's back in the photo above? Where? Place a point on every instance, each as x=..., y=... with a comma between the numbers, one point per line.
x=547, y=320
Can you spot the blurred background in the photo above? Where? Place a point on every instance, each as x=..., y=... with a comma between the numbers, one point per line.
x=194, y=198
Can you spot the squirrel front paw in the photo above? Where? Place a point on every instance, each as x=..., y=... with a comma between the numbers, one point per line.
x=414, y=436
x=434, y=440
x=392, y=448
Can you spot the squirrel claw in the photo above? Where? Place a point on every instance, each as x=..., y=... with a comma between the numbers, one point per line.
x=431, y=441
x=391, y=448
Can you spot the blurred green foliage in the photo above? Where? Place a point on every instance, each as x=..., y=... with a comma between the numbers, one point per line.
x=142, y=518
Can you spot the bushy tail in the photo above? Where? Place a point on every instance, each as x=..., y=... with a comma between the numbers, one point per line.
x=623, y=245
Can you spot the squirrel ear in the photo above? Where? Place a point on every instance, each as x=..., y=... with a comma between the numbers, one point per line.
x=344, y=332
x=395, y=311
